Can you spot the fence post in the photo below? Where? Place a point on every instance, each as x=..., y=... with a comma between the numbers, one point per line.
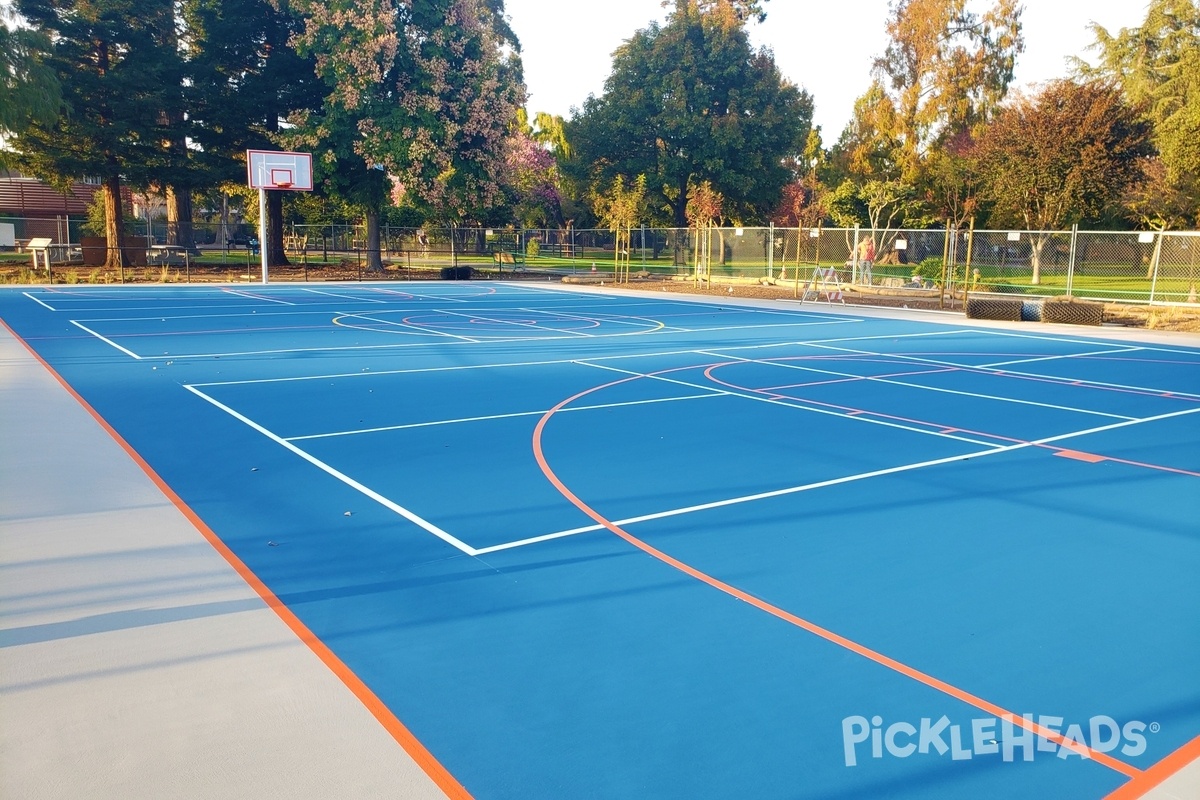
x=1071, y=259
x=771, y=250
x=854, y=258
x=1154, y=265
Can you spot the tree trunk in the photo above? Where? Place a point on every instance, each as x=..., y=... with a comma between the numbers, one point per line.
x=374, y=261
x=179, y=218
x=276, y=256
x=1035, y=259
x=114, y=223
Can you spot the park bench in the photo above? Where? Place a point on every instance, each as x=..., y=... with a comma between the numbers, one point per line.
x=502, y=257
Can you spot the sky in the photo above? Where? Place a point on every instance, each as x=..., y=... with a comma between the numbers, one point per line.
x=824, y=47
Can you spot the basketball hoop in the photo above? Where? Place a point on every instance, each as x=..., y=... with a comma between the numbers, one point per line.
x=283, y=184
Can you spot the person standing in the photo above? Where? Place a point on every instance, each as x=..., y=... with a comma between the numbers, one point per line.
x=866, y=257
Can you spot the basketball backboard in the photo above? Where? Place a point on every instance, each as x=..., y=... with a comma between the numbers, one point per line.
x=270, y=169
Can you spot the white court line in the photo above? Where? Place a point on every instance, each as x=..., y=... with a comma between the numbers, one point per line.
x=399, y=326
x=798, y=404
x=496, y=416
x=353, y=484
x=922, y=387
x=1066, y=381
x=506, y=364
x=423, y=296
x=675, y=512
x=345, y=296
x=527, y=325
x=627, y=319
x=39, y=302
x=241, y=293
x=1058, y=357
x=243, y=314
x=107, y=341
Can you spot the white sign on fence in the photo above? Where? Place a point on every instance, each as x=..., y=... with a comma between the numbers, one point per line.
x=8, y=234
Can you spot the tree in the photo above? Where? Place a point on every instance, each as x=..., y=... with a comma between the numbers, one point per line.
x=1157, y=66
x=1062, y=156
x=693, y=102
x=532, y=177
x=620, y=208
x=110, y=61
x=245, y=80
x=946, y=70
x=426, y=91
x=29, y=89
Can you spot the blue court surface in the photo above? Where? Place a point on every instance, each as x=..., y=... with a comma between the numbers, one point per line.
x=586, y=544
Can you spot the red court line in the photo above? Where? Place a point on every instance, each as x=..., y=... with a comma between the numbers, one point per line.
x=417, y=751
x=1158, y=773
x=800, y=622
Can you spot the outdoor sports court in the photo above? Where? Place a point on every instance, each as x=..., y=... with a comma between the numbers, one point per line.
x=577, y=543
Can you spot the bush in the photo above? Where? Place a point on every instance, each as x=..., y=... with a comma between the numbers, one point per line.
x=930, y=268
x=532, y=248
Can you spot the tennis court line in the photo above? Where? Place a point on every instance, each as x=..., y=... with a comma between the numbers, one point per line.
x=517, y=324
x=465, y=340
x=399, y=326
x=488, y=417
x=545, y=362
x=39, y=302
x=106, y=340
x=786, y=616
x=1013, y=373
x=241, y=293
x=1059, y=357
x=750, y=394
x=419, y=521
x=428, y=763
x=887, y=380
x=616, y=319
x=992, y=450
x=346, y=296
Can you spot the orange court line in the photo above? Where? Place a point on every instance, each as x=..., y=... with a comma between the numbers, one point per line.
x=1090, y=458
x=800, y=622
x=1158, y=773
x=417, y=751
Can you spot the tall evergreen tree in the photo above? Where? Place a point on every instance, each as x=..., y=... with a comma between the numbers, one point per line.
x=108, y=57
x=29, y=90
x=246, y=79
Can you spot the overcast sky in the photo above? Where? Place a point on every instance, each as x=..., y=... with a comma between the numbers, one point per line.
x=823, y=47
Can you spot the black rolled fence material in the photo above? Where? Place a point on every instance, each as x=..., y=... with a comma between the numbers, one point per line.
x=1074, y=312
x=994, y=308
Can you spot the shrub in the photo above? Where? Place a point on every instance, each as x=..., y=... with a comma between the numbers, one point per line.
x=930, y=268
x=532, y=248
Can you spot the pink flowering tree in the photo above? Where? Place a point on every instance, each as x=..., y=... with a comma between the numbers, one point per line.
x=532, y=176
x=420, y=93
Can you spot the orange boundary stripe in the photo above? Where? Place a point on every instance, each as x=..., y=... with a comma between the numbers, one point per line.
x=1089, y=458
x=1159, y=772
x=800, y=622
x=411, y=745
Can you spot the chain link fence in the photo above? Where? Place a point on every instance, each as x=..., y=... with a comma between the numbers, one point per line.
x=1120, y=266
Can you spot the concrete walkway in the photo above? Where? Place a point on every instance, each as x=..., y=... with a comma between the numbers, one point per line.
x=134, y=661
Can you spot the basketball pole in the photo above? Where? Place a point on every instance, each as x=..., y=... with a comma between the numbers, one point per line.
x=262, y=230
